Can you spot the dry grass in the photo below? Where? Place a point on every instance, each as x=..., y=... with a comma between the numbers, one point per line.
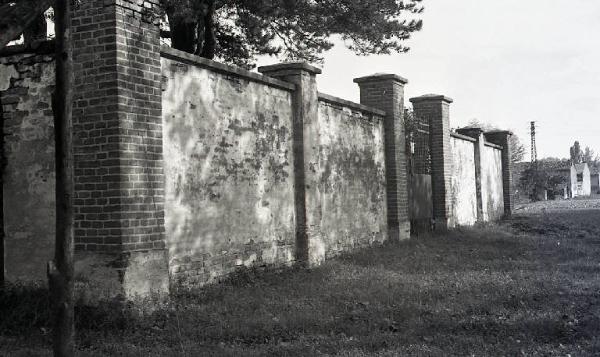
x=530, y=286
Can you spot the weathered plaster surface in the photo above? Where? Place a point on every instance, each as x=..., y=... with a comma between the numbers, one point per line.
x=463, y=188
x=26, y=85
x=346, y=202
x=492, y=196
x=228, y=168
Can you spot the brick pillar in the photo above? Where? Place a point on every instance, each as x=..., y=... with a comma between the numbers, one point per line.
x=386, y=92
x=502, y=138
x=436, y=110
x=119, y=183
x=305, y=103
x=477, y=134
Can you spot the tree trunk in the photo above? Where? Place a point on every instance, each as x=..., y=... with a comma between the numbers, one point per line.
x=183, y=33
x=60, y=270
x=2, y=167
x=209, y=42
x=194, y=34
x=38, y=30
x=16, y=17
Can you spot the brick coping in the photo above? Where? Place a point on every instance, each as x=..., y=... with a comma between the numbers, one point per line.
x=463, y=137
x=492, y=145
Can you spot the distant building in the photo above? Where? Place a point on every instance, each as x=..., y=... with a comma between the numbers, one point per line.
x=581, y=183
x=595, y=180
x=579, y=180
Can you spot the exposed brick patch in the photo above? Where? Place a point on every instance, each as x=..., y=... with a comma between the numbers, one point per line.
x=197, y=270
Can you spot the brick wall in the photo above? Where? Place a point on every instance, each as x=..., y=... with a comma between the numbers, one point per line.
x=117, y=122
x=118, y=128
x=436, y=110
x=386, y=92
x=262, y=169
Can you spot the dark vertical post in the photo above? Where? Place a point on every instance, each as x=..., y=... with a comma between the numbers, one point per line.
x=2, y=168
x=386, y=92
x=436, y=109
x=60, y=271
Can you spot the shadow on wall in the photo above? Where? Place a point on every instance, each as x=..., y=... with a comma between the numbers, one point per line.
x=228, y=172
x=348, y=171
x=29, y=178
x=420, y=202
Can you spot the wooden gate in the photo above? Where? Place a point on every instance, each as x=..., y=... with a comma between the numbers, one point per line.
x=420, y=201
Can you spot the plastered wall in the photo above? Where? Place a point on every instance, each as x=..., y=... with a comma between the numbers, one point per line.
x=491, y=183
x=228, y=172
x=462, y=183
x=346, y=201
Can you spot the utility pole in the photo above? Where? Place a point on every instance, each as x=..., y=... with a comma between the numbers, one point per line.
x=534, y=163
x=60, y=270
x=533, y=147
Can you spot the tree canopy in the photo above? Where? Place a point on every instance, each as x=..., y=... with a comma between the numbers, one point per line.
x=576, y=153
x=22, y=17
x=579, y=156
x=236, y=31
x=534, y=181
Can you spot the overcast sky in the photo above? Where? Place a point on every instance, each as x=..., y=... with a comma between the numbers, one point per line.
x=503, y=62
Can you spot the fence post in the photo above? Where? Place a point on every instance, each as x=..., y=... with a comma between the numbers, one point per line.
x=386, y=92
x=305, y=106
x=502, y=138
x=436, y=109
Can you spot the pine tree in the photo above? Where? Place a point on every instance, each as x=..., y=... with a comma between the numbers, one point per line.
x=236, y=31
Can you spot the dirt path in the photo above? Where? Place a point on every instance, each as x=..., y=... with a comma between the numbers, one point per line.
x=527, y=287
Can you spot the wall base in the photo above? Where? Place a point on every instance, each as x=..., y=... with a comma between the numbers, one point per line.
x=100, y=276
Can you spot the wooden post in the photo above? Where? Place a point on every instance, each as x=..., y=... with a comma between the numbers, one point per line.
x=2, y=168
x=60, y=270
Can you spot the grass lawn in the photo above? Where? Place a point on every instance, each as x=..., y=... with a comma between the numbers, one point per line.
x=526, y=287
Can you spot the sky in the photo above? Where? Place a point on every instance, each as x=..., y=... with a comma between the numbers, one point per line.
x=503, y=62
